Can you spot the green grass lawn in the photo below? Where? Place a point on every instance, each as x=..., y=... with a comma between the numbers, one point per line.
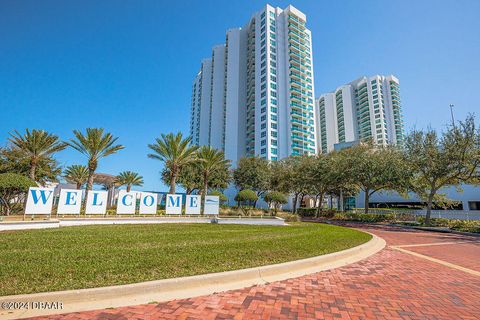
x=95, y=256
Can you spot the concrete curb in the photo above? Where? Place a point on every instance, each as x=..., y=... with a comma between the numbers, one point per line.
x=186, y=287
x=71, y=222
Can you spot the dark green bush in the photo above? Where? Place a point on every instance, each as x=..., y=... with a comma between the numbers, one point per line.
x=458, y=225
x=307, y=212
x=364, y=217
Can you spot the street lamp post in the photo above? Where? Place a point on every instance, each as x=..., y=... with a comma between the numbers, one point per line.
x=451, y=112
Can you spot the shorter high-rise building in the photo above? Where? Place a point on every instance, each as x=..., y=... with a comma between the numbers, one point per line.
x=367, y=109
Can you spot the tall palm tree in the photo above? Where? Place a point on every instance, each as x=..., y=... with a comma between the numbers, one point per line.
x=77, y=174
x=129, y=179
x=36, y=146
x=95, y=144
x=210, y=159
x=175, y=152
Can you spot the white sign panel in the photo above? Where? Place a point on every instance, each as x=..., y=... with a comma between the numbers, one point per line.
x=96, y=202
x=39, y=201
x=148, y=203
x=127, y=202
x=173, y=204
x=193, y=204
x=70, y=201
x=212, y=204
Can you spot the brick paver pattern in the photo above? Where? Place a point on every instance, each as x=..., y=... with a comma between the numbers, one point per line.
x=387, y=285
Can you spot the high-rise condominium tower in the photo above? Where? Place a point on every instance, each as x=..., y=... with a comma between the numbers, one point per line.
x=254, y=96
x=365, y=109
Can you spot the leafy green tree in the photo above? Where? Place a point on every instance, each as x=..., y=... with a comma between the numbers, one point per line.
x=297, y=177
x=252, y=173
x=280, y=172
x=448, y=160
x=35, y=146
x=129, y=179
x=95, y=144
x=339, y=183
x=245, y=195
x=13, y=187
x=276, y=199
x=210, y=160
x=77, y=174
x=13, y=161
x=190, y=178
x=374, y=168
x=175, y=152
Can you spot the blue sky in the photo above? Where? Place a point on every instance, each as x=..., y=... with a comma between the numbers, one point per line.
x=128, y=65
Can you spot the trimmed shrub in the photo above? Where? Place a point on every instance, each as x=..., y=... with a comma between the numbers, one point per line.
x=276, y=198
x=223, y=198
x=289, y=217
x=246, y=195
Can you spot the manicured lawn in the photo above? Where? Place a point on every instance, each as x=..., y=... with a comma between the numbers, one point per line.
x=94, y=256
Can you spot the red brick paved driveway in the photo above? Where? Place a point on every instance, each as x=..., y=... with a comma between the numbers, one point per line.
x=389, y=285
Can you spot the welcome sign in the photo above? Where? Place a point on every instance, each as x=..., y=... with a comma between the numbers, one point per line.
x=40, y=201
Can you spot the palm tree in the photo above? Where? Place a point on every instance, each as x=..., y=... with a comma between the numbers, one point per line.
x=77, y=174
x=95, y=144
x=36, y=146
x=175, y=152
x=129, y=179
x=210, y=159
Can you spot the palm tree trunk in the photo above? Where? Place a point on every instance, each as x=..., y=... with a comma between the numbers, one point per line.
x=79, y=185
x=33, y=168
x=90, y=180
x=205, y=183
x=173, y=181
x=129, y=187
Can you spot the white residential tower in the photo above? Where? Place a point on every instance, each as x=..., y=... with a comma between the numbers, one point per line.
x=255, y=96
x=365, y=109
